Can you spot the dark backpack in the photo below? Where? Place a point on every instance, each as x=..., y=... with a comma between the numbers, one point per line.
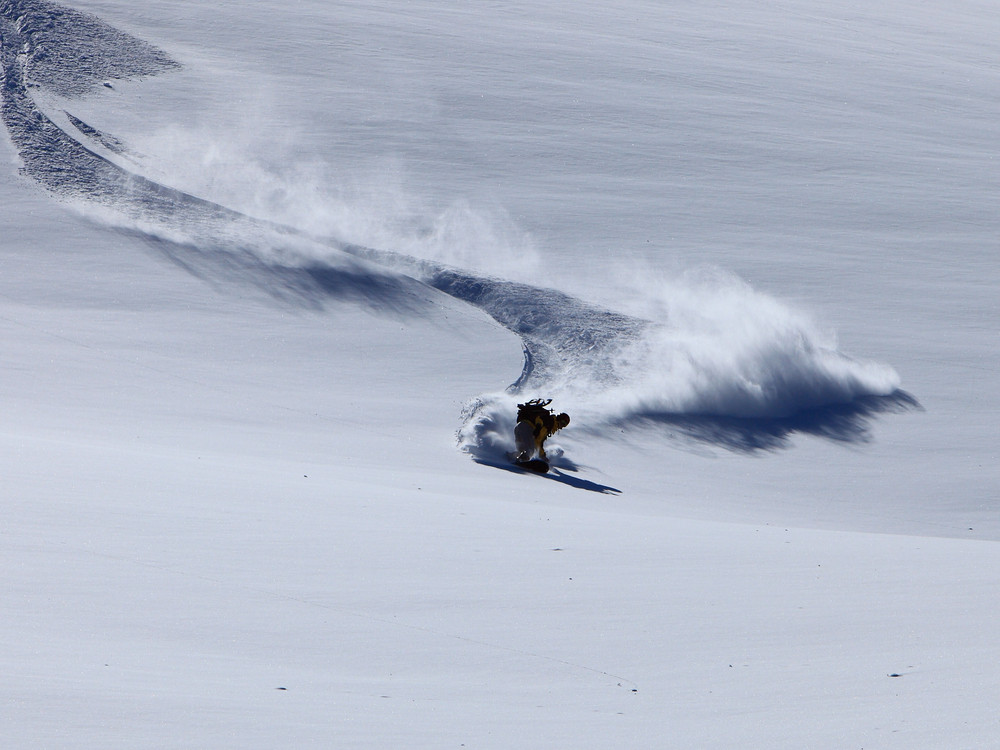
x=535, y=409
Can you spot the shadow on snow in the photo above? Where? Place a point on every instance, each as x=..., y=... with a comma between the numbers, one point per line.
x=555, y=474
x=843, y=423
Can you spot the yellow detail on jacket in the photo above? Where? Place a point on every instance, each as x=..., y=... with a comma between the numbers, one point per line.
x=535, y=423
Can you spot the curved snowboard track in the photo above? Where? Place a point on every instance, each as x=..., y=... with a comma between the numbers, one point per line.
x=570, y=346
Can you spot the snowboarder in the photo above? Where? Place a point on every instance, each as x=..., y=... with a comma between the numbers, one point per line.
x=535, y=422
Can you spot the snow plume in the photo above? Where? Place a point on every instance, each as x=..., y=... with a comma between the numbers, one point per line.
x=230, y=163
x=710, y=358
x=230, y=167
x=720, y=348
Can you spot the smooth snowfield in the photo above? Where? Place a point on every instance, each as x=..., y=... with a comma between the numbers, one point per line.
x=251, y=469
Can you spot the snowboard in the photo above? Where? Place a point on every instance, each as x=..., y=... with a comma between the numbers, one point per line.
x=537, y=465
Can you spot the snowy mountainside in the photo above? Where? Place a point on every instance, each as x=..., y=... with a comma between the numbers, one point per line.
x=247, y=303
x=688, y=373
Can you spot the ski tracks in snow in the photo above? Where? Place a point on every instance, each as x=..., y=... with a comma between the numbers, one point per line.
x=597, y=361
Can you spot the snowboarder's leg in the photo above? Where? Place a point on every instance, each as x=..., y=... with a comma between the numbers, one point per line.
x=540, y=444
x=524, y=441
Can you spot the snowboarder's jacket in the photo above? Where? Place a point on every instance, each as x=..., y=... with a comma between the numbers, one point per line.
x=543, y=421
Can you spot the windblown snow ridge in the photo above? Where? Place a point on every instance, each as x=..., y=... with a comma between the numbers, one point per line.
x=108, y=141
x=563, y=335
x=69, y=52
x=742, y=386
x=47, y=46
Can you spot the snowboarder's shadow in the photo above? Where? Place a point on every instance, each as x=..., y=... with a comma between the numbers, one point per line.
x=556, y=473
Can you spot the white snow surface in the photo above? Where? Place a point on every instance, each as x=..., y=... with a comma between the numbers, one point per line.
x=252, y=472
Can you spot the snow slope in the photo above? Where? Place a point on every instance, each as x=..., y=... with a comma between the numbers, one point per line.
x=255, y=402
